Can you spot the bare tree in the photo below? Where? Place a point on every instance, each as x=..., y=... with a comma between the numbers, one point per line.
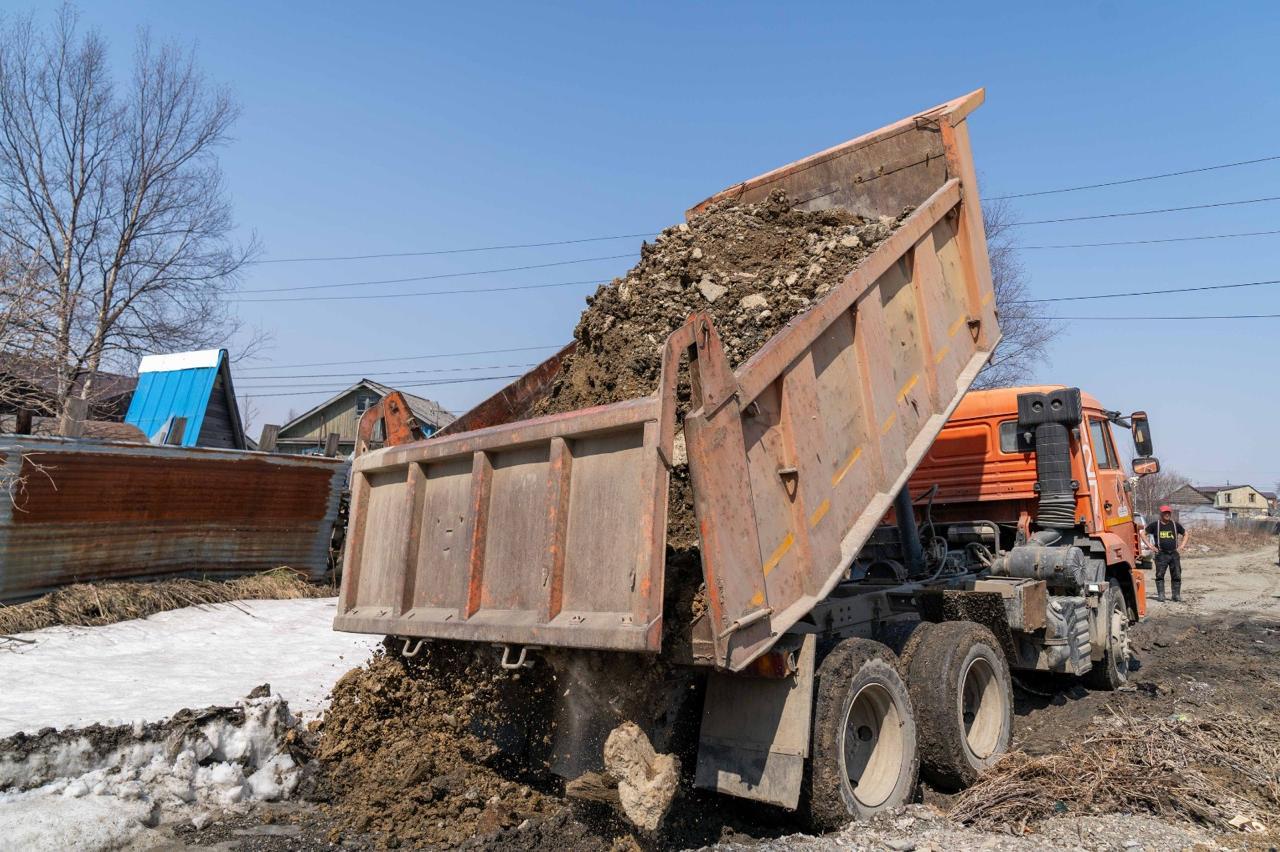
x=115, y=194
x=1155, y=489
x=1026, y=326
x=249, y=414
x=21, y=315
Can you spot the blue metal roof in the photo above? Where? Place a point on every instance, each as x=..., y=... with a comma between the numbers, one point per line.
x=178, y=385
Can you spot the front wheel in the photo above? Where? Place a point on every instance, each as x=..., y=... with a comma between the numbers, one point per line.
x=1112, y=671
x=863, y=758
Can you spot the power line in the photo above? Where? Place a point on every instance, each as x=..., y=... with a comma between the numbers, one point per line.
x=1148, y=242
x=403, y=358
x=357, y=376
x=435, y=252
x=401, y=386
x=1146, y=212
x=1150, y=292
x=438, y=275
x=1135, y=180
x=1188, y=317
x=423, y=292
x=647, y=234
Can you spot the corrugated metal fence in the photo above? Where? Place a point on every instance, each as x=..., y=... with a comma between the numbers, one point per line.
x=74, y=511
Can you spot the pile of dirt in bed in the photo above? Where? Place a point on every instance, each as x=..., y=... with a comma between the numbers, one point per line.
x=433, y=750
x=752, y=267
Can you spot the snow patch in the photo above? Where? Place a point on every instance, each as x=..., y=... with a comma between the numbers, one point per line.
x=151, y=668
x=101, y=787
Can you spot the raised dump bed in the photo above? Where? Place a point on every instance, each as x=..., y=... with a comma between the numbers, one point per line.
x=551, y=531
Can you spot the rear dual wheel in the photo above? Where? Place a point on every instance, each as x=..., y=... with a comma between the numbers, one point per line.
x=963, y=697
x=863, y=758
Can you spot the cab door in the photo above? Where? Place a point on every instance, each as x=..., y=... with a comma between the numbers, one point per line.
x=1114, y=510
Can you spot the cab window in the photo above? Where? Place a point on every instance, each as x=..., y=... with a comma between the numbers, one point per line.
x=1014, y=440
x=1100, y=435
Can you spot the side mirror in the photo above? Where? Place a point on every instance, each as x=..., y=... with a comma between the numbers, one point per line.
x=1141, y=429
x=1146, y=465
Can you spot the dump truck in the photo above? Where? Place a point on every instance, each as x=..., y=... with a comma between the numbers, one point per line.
x=865, y=595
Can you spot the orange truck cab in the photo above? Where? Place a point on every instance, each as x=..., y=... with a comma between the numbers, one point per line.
x=997, y=462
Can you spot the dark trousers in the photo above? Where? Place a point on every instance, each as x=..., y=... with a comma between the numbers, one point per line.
x=1172, y=563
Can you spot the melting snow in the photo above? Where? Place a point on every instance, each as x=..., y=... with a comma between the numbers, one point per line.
x=106, y=788
x=151, y=668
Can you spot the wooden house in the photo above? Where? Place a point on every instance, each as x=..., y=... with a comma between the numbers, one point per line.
x=306, y=434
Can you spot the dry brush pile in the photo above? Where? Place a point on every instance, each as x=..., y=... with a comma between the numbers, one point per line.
x=92, y=604
x=1205, y=771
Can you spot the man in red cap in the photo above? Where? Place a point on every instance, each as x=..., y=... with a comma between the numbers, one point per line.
x=1167, y=538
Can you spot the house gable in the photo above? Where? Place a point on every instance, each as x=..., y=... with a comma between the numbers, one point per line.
x=339, y=414
x=1187, y=495
x=195, y=386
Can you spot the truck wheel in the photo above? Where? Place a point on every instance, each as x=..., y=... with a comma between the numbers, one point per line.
x=963, y=697
x=1112, y=671
x=914, y=640
x=863, y=759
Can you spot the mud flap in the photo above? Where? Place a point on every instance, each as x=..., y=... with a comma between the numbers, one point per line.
x=754, y=738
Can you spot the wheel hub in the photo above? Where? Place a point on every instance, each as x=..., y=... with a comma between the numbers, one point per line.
x=873, y=745
x=981, y=708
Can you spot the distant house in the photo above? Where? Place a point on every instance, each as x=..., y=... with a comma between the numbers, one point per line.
x=1271, y=500
x=306, y=433
x=194, y=388
x=1238, y=501
x=1192, y=507
x=32, y=383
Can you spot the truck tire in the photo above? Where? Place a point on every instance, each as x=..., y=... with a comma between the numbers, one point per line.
x=1112, y=671
x=863, y=758
x=963, y=698
x=909, y=647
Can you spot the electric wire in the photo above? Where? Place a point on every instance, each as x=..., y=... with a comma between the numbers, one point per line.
x=436, y=252
x=1195, y=289
x=1134, y=180
x=460, y=291
x=331, y=391
x=1145, y=212
x=357, y=376
x=1150, y=242
x=402, y=358
x=438, y=275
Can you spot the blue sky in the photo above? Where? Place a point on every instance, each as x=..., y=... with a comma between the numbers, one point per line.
x=403, y=127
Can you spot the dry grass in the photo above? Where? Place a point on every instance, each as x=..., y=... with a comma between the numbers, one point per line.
x=1205, y=771
x=107, y=603
x=1224, y=540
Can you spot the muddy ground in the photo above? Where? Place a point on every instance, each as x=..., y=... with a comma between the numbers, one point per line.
x=1217, y=652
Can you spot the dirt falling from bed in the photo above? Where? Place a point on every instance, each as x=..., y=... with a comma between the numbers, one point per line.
x=753, y=268
x=436, y=749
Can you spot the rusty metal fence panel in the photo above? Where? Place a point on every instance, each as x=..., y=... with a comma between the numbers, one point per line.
x=80, y=511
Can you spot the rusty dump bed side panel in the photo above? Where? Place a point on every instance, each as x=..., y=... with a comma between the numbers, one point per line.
x=828, y=420
x=552, y=531
x=93, y=510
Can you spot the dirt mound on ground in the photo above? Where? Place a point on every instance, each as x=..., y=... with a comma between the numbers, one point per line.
x=434, y=750
x=752, y=267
